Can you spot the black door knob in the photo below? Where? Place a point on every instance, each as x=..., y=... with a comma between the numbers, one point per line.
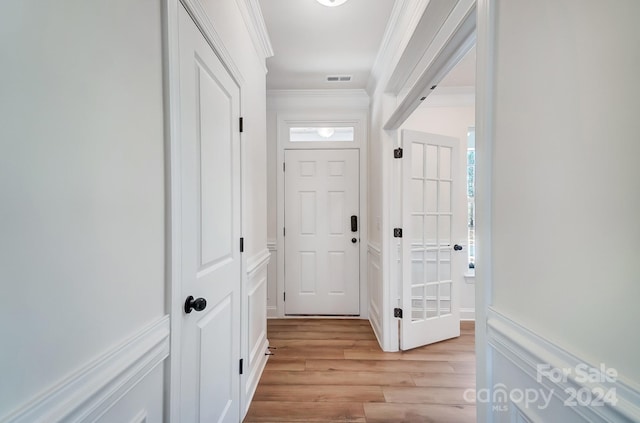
x=191, y=304
x=354, y=240
x=457, y=247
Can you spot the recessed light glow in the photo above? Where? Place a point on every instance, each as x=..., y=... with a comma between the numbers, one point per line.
x=331, y=3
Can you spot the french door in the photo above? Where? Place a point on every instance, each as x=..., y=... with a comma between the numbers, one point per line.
x=433, y=238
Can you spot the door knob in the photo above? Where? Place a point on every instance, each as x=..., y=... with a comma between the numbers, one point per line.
x=191, y=304
x=354, y=240
x=457, y=247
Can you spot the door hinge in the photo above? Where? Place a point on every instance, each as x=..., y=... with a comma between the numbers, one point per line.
x=284, y=166
x=397, y=153
x=397, y=312
x=397, y=232
x=284, y=231
x=241, y=366
x=241, y=124
x=284, y=296
x=242, y=245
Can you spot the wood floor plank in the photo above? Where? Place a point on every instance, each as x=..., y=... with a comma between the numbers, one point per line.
x=381, y=366
x=322, y=335
x=319, y=393
x=419, y=413
x=288, y=364
x=333, y=370
x=464, y=367
x=338, y=378
x=428, y=395
x=418, y=355
x=309, y=352
x=447, y=380
x=289, y=411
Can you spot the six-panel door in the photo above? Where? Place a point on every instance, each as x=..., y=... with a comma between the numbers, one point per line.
x=322, y=247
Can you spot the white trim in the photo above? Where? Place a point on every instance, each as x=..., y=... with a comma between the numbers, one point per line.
x=467, y=313
x=173, y=171
x=272, y=246
x=402, y=23
x=375, y=318
x=485, y=52
x=381, y=61
x=90, y=392
x=254, y=356
x=257, y=262
x=527, y=350
x=451, y=97
x=204, y=24
x=447, y=49
x=254, y=21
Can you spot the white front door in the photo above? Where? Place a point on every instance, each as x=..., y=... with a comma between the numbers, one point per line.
x=322, y=232
x=210, y=226
x=433, y=238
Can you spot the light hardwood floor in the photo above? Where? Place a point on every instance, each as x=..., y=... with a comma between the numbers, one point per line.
x=334, y=371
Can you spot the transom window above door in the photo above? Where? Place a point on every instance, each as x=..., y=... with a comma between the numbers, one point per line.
x=315, y=134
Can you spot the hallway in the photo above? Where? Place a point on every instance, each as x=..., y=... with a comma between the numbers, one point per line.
x=330, y=370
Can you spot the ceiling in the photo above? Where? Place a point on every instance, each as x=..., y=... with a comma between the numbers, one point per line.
x=311, y=41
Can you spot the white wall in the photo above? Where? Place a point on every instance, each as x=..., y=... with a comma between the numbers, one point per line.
x=453, y=121
x=82, y=250
x=81, y=176
x=566, y=181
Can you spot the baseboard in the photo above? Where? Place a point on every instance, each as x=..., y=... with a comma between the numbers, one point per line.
x=526, y=351
x=467, y=314
x=272, y=312
x=256, y=372
x=90, y=392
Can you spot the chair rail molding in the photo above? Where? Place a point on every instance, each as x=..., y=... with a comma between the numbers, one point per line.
x=528, y=351
x=91, y=391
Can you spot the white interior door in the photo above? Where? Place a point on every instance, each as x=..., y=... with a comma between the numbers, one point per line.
x=211, y=264
x=322, y=245
x=433, y=223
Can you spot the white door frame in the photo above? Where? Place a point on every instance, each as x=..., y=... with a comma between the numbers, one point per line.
x=312, y=119
x=173, y=239
x=485, y=79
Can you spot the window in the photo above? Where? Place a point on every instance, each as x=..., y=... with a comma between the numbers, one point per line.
x=322, y=134
x=471, y=191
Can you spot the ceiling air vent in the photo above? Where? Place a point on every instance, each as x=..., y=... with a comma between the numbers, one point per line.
x=338, y=78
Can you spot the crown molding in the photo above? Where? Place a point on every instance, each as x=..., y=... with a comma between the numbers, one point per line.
x=254, y=21
x=403, y=21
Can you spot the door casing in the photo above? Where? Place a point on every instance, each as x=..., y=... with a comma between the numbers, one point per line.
x=310, y=118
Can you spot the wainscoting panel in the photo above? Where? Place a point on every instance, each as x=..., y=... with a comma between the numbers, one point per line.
x=109, y=383
x=257, y=272
x=537, y=381
x=375, y=290
x=272, y=281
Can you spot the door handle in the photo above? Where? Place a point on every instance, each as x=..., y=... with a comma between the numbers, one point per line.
x=191, y=304
x=354, y=240
x=457, y=247
x=354, y=223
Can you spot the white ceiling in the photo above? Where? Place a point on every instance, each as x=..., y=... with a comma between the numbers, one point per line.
x=311, y=41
